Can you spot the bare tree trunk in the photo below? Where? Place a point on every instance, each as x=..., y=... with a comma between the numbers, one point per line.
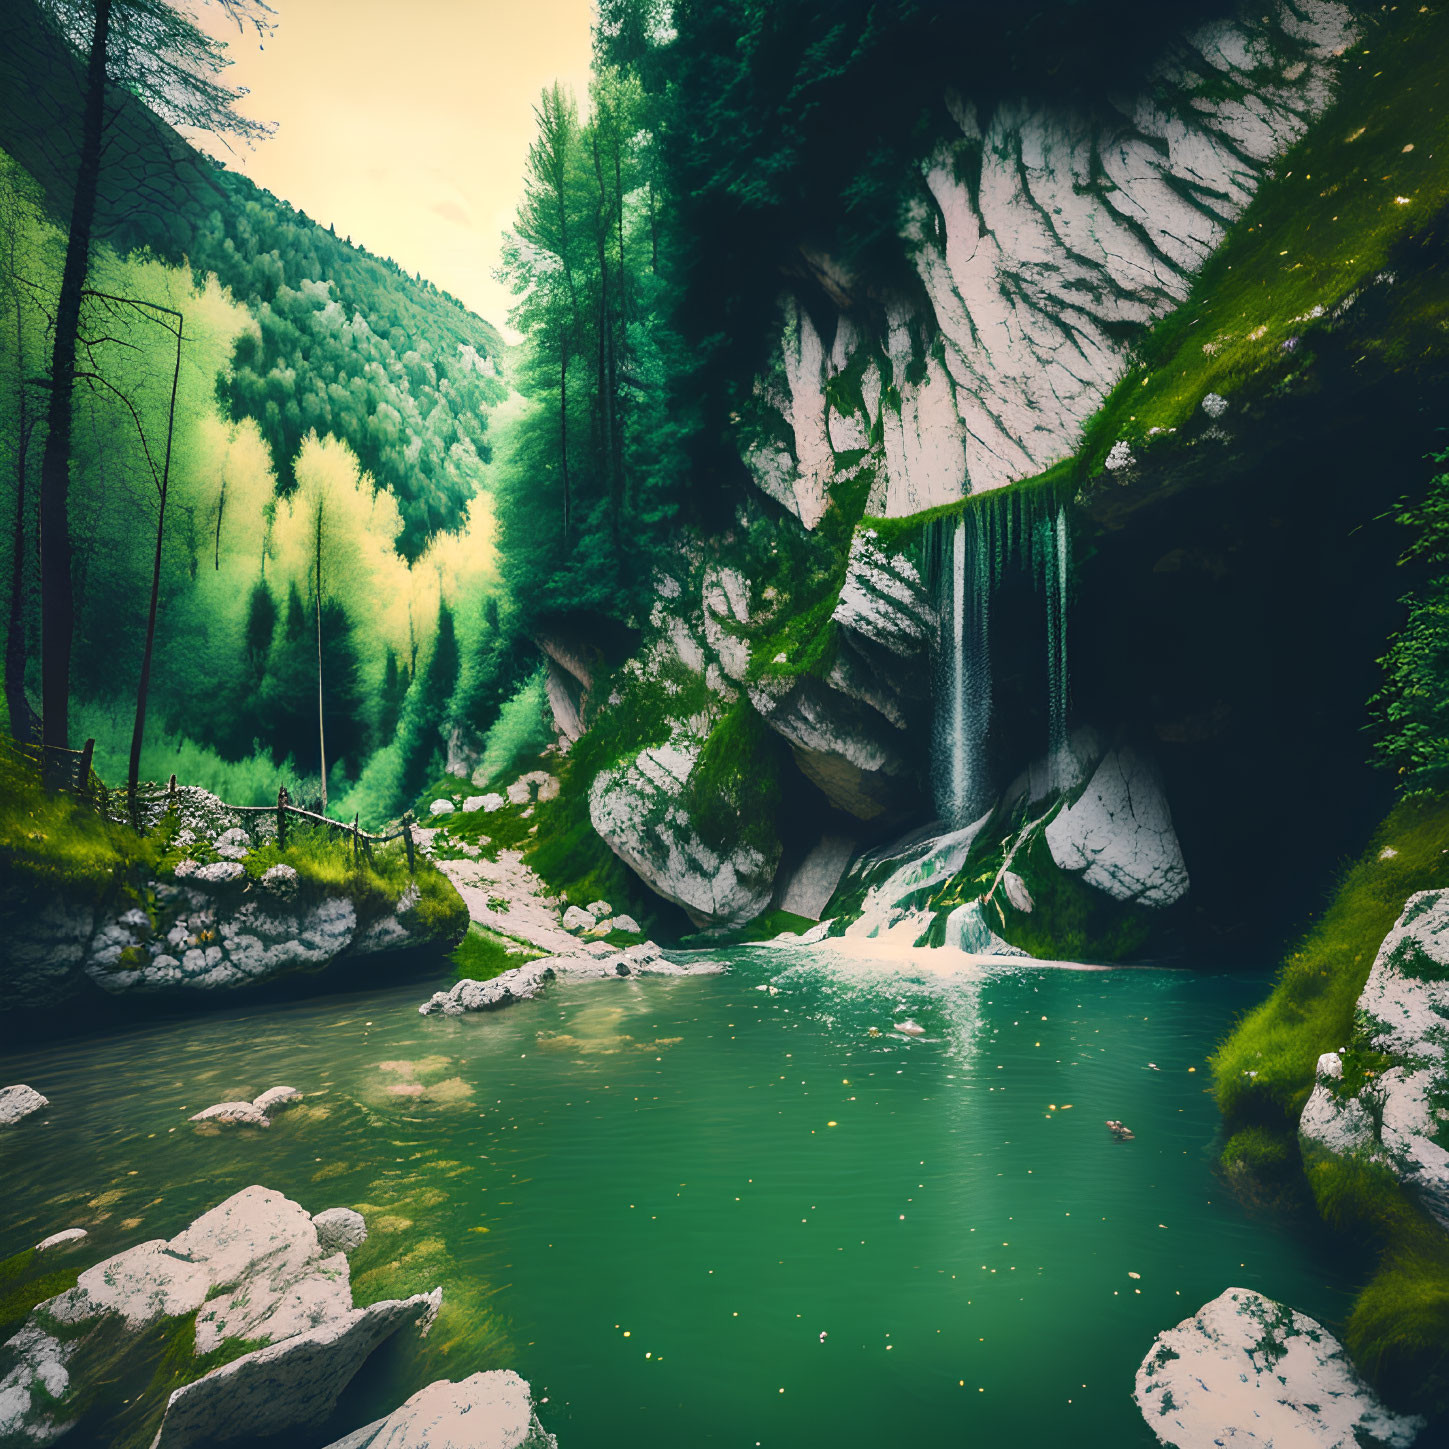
x=138, y=734
x=23, y=720
x=563, y=422
x=220, y=506
x=565, y=336
x=57, y=606
x=321, y=730
x=606, y=329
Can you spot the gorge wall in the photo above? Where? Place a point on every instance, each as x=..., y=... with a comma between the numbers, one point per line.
x=1012, y=498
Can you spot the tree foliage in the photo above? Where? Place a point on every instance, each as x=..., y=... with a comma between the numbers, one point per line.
x=1412, y=709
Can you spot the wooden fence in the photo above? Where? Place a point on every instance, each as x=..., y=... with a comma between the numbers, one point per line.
x=71, y=772
x=362, y=840
x=68, y=770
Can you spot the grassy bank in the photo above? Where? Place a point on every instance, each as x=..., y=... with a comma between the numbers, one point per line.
x=55, y=843
x=1398, y=1329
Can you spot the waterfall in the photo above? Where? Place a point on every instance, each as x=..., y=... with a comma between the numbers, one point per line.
x=963, y=671
x=967, y=557
x=1054, y=580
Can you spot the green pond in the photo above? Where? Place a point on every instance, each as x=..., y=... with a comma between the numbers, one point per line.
x=718, y=1210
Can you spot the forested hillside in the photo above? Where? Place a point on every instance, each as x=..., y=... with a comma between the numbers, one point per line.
x=326, y=464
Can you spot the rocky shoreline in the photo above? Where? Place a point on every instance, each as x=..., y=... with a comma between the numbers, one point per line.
x=209, y=921
x=255, y=1297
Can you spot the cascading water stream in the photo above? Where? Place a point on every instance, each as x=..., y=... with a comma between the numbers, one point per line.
x=963, y=690
x=968, y=556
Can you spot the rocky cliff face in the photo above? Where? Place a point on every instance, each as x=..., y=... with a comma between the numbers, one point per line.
x=1047, y=239
x=1046, y=242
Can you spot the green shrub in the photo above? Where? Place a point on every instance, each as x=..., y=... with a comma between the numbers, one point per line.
x=519, y=735
x=763, y=928
x=54, y=840
x=483, y=954
x=733, y=792
x=1264, y=1166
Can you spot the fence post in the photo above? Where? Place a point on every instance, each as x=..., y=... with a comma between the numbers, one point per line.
x=83, y=783
x=282, y=818
x=407, y=834
x=356, y=843
x=171, y=795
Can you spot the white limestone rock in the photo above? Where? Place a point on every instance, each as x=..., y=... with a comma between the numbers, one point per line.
x=1395, y=1117
x=441, y=807
x=1245, y=1370
x=635, y=808
x=486, y=1411
x=725, y=597
x=599, y=910
x=339, y=1230
x=625, y=923
x=280, y=880
x=1118, y=834
x=18, y=1102
x=232, y=1114
x=233, y=844
x=1052, y=233
x=884, y=600
x=276, y=1099
x=578, y=920
x=221, y=872
x=1339, y=1123
x=856, y=755
x=810, y=885
x=254, y=1267
x=291, y=1384
x=64, y=1239
x=597, y=961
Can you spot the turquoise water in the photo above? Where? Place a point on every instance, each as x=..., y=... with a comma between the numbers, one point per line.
x=653, y=1198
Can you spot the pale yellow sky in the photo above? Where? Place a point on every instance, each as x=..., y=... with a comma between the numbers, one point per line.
x=406, y=126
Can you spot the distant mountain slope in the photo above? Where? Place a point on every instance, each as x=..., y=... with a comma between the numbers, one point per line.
x=346, y=343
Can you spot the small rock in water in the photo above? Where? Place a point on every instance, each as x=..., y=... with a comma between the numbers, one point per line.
x=599, y=909
x=60, y=1240
x=910, y=1027
x=339, y=1230
x=491, y=1410
x=1119, y=1132
x=276, y=1099
x=233, y=1114
x=19, y=1101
